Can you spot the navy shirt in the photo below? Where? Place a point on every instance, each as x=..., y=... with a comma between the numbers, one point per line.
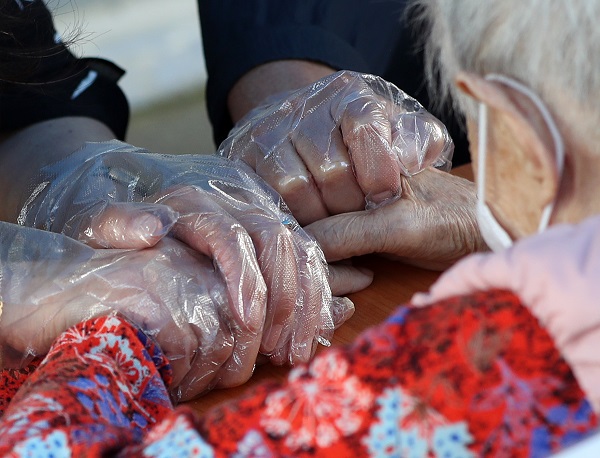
x=371, y=36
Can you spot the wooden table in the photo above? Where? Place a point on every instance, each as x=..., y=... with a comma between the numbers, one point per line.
x=393, y=284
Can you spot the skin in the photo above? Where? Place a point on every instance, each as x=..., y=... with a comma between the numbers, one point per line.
x=531, y=160
x=521, y=180
x=408, y=229
x=271, y=78
x=57, y=138
x=241, y=245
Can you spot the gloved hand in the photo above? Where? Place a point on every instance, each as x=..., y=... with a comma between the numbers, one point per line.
x=346, y=138
x=431, y=225
x=131, y=225
x=50, y=282
x=275, y=273
x=555, y=274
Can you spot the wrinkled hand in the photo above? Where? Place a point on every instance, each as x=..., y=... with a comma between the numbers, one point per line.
x=50, y=282
x=346, y=138
x=432, y=225
x=275, y=273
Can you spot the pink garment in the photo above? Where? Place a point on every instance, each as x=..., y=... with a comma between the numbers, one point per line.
x=557, y=276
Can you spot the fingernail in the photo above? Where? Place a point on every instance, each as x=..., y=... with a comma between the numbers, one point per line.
x=168, y=218
x=376, y=200
x=148, y=225
x=342, y=309
x=368, y=272
x=156, y=223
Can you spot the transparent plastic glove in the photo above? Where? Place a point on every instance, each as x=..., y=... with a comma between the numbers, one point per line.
x=275, y=273
x=347, y=137
x=555, y=274
x=133, y=225
x=432, y=225
x=50, y=282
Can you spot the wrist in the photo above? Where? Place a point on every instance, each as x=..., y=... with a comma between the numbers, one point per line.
x=269, y=79
x=25, y=153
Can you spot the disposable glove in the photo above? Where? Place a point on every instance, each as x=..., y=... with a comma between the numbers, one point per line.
x=50, y=282
x=275, y=273
x=132, y=225
x=432, y=225
x=555, y=274
x=346, y=138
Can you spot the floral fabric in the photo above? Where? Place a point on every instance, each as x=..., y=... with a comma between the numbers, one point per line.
x=469, y=376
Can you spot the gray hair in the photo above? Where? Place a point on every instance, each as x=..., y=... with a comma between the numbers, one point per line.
x=552, y=46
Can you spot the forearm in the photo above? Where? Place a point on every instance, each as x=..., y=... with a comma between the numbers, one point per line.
x=269, y=79
x=24, y=153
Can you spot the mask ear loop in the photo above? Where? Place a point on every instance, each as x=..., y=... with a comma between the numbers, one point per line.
x=482, y=146
x=491, y=230
x=559, y=146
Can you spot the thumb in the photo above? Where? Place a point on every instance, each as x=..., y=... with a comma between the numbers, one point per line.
x=342, y=309
x=132, y=225
x=349, y=234
x=346, y=279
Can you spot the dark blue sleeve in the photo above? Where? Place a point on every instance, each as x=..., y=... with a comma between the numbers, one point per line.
x=372, y=36
x=239, y=35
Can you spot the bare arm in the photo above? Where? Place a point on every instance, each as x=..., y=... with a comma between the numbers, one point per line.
x=25, y=152
x=269, y=79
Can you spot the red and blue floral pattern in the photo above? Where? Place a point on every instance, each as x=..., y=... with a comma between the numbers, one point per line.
x=470, y=376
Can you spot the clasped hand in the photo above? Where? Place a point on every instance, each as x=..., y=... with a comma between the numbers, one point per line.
x=346, y=139
x=275, y=300
x=362, y=166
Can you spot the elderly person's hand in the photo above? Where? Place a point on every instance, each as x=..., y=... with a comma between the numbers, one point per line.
x=432, y=225
x=50, y=282
x=331, y=145
x=275, y=273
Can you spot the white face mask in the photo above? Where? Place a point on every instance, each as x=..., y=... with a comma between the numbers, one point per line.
x=493, y=233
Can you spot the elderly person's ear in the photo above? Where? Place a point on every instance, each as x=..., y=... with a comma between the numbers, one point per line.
x=521, y=172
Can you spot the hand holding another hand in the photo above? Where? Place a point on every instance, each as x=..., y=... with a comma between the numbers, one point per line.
x=51, y=282
x=275, y=274
x=345, y=139
x=432, y=224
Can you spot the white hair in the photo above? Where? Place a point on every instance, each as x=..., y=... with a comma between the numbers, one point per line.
x=552, y=46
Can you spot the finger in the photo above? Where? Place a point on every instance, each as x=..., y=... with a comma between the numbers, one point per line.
x=286, y=172
x=277, y=256
x=201, y=371
x=127, y=225
x=342, y=309
x=295, y=271
x=240, y=366
x=178, y=342
x=283, y=251
x=345, y=279
x=207, y=228
x=326, y=157
x=314, y=319
x=420, y=140
x=367, y=133
x=350, y=234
